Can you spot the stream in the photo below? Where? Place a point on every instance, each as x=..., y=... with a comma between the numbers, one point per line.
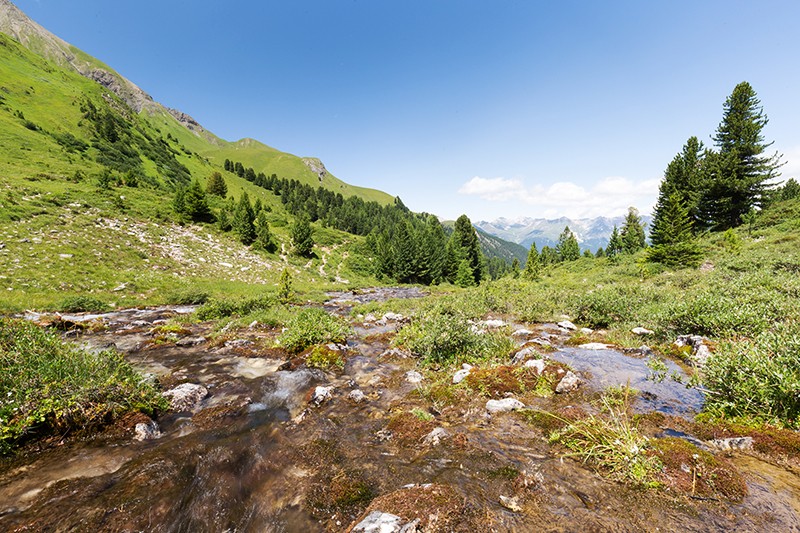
x=258, y=453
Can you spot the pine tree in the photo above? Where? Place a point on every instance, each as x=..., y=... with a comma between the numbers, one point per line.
x=302, y=236
x=432, y=251
x=179, y=201
x=567, y=247
x=285, y=286
x=243, y=220
x=216, y=185
x=465, y=276
x=264, y=238
x=601, y=252
x=223, y=220
x=515, y=268
x=632, y=235
x=739, y=172
x=671, y=235
x=614, y=244
x=685, y=176
x=548, y=256
x=466, y=239
x=533, y=265
x=196, y=204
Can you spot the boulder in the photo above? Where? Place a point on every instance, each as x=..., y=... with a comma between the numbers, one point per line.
x=504, y=405
x=641, y=331
x=321, y=395
x=356, y=396
x=568, y=383
x=594, y=346
x=567, y=325
x=186, y=396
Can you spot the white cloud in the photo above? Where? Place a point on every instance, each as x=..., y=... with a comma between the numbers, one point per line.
x=493, y=189
x=608, y=197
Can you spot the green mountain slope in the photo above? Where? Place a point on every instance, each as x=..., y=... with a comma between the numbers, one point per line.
x=192, y=139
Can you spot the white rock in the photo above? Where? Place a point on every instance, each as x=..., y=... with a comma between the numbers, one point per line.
x=568, y=383
x=379, y=522
x=434, y=437
x=356, y=396
x=393, y=317
x=587, y=331
x=512, y=504
x=733, y=443
x=594, y=346
x=321, y=394
x=186, y=396
x=504, y=405
x=412, y=376
x=641, y=331
x=566, y=324
x=522, y=333
x=146, y=431
x=459, y=376
x=493, y=324
x=536, y=364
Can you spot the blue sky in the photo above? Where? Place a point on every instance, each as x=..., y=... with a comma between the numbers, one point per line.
x=489, y=108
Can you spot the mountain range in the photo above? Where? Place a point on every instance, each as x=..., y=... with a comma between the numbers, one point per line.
x=591, y=233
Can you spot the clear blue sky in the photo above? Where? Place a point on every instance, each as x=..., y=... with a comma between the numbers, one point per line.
x=489, y=108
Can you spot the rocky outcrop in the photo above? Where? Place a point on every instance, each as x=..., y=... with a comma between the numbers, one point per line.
x=316, y=166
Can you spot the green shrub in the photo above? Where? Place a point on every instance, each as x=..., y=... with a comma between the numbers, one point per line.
x=758, y=378
x=48, y=386
x=187, y=296
x=214, y=309
x=81, y=303
x=717, y=314
x=312, y=326
x=444, y=335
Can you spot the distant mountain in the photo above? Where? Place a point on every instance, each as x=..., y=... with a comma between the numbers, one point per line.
x=592, y=233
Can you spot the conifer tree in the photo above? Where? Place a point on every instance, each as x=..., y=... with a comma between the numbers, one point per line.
x=223, y=220
x=601, y=252
x=196, y=204
x=614, y=244
x=465, y=238
x=567, y=247
x=243, y=220
x=179, y=201
x=738, y=173
x=548, y=256
x=302, y=236
x=684, y=176
x=673, y=241
x=465, y=276
x=533, y=265
x=264, y=237
x=632, y=235
x=216, y=185
x=515, y=268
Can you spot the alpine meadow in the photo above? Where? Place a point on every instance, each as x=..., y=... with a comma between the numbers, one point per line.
x=199, y=334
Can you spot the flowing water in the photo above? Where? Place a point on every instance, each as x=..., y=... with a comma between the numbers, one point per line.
x=258, y=455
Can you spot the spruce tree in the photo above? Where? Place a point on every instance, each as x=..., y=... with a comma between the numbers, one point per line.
x=632, y=235
x=264, y=238
x=673, y=241
x=567, y=247
x=614, y=244
x=685, y=176
x=196, y=204
x=466, y=239
x=302, y=236
x=243, y=220
x=533, y=265
x=739, y=171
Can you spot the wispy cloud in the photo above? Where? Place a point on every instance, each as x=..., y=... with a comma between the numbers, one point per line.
x=610, y=196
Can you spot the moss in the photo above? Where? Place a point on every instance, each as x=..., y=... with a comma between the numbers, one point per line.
x=409, y=429
x=324, y=358
x=689, y=470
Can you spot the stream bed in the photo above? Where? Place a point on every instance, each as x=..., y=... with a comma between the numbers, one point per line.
x=260, y=453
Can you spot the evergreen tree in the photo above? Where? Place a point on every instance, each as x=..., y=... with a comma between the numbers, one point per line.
x=433, y=251
x=243, y=220
x=789, y=191
x=179, y=201
x=216, y=185
x=257, y=206
x=196, y=204
x=238, y=169
x=264, y=237
x=223, y=220
x=228, y=165
x=601, y=252
x=466, y=239
x=684, y=176
x=515, y=268
x=632, y=235
x=548, y=256
x=285, y=286
x=302, y=236
x=465, y=276
x=405, y=254
x=588, y=253
x=533, y=265
x=739, y=172
x=671, y=235
x=614, y=244
x=567, y=247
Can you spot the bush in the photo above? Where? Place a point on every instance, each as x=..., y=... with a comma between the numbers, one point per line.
x=215, y=309
x=49, y=386
x=187, y=296
x=444, y=335
x=80, y=303
x=312, y=326
x=717, y=315
x=758, y=378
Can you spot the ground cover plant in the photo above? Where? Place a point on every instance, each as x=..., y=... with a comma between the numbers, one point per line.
x=49, y=386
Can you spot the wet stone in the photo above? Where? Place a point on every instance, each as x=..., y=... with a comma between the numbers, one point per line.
x=594, y=346
x=569, y=326
x=194, y=340
x=568, y=383
x=321, y=395
x=505, y=405
x=732, y=444
x=186, y=396
x=357, y=396
x=146, y=431
x=412, y=376
x=380, y=522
